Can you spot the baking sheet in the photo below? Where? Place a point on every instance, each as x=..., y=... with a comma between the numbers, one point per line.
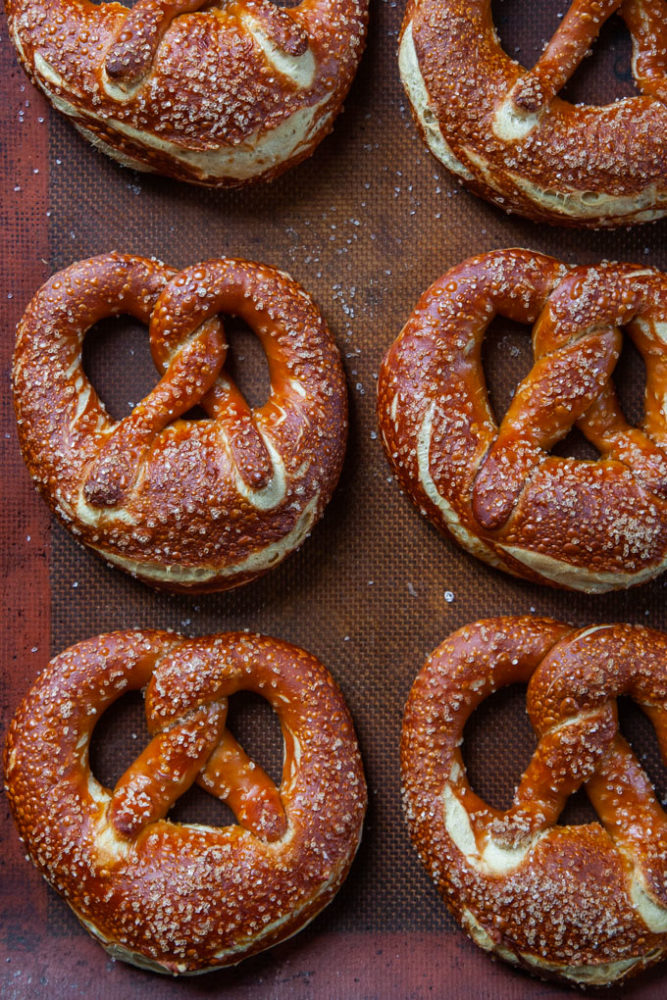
x=365, y=225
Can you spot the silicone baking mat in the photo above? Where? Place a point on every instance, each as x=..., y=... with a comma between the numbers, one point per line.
x=365, y=225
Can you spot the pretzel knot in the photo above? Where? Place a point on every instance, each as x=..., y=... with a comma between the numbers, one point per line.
x=186, y=897
x=184, y=504
x=498, y=490
x=218, y=95
x=506, y=134
x=586, y=903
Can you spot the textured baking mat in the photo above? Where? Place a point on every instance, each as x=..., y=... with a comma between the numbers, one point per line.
x=365, y=225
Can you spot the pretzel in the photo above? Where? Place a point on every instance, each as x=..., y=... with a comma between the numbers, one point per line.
x=183, y=898
x=584, y=525
x=217, y=95
x=587, y=904
x=184, y=504
x=504, y=132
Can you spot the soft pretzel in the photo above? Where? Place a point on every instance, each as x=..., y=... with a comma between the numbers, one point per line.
x=586, y=525
x=217, y=95
x=184, y=898
x=585, y=903
x=183, y=504
x=506, y=134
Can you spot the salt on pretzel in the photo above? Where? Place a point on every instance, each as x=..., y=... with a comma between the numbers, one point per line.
x=584, y=903
x=182, y=504
x=216, y=95
x=185, y=898
x=497, y=490
x=506, y=134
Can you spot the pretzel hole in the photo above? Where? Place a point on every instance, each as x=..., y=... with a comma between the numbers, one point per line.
x=494, y=763
x=257, y=728
x=246, y=363
x=604, y=76
x=117, y=361
x=197, y=806
x=630, y=382
x=119, y=736
x=638, y=730
x=507, y=358
x=576, y=445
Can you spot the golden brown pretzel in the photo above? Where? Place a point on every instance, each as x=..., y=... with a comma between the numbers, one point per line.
x=184, y=898
x=586, y=525
x=216, y=95
x=586, y=903
x=506, y=134
x=183, y=504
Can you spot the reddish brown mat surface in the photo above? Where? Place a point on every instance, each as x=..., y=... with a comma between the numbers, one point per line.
x=365, y=225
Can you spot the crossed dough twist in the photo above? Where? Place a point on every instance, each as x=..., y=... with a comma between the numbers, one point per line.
x=183, y=898
x=182, y=504
x=585, y=903
x=219, y=96
x=497, y=490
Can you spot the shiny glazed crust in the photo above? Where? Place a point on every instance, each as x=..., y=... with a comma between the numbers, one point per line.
x=184, y=898
x=188, y=505
x=497, y=490
x=506, y=134
x=587, y=904
x=218, y=96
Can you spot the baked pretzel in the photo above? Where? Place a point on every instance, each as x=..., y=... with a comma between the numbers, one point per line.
x=184, y=898
x=506, y=134
x=586, y=525
x=584, y=903
x=183, y=504
x=217, y=95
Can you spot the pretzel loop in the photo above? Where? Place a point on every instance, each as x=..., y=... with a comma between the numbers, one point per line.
x=215, y=94
x=183, y=503
x=498, y=490
x=587, y=903
x=179, y=897
x=503, y=130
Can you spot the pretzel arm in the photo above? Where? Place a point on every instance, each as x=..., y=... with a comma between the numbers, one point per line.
x=191, y=373
x=568, y=46
x=625, y=801
x=559, y=390
x=285, y=32
x=606, y=428
x=131, y=56
x=246, y=788
x=225, y=403
x=572, y=752
x=647, y=23
x=167, y=767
